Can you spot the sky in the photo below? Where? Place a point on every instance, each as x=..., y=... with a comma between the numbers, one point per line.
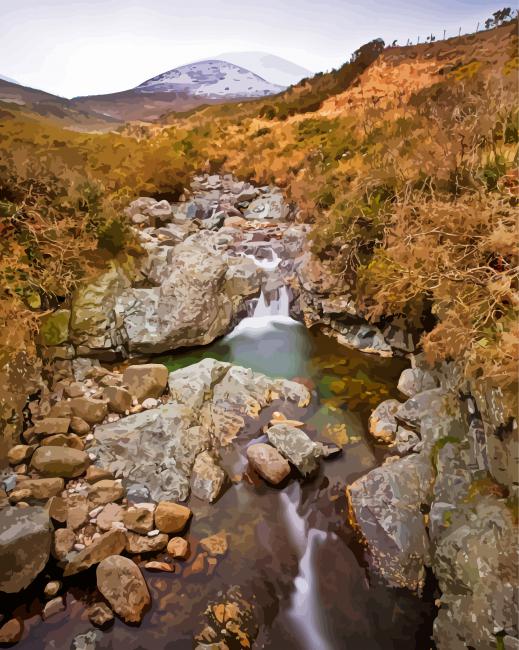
x=80, y=47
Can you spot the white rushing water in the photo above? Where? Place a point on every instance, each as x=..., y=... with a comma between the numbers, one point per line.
x=305, y=606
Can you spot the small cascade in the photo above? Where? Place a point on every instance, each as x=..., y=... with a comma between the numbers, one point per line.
x=280, y=306
x=305, y=607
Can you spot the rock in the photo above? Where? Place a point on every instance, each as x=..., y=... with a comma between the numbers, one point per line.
x=150, y=403
x=138, y=520
x=105, y=491
x=119, y=399
x=198, y=564
x=60, y=410
x=268, y=462
x=87, y=641
x=44, y=488
x=137, y=544
x=192, y=384
x=57, y=508
x=100, y=615
x=49, y=426
x=20, y=454
x=159, y=566
x=146, y=380
x=386, y=506
x=95, y=474
x=243, y=278
x=63, y=543
x=110, y=513
x=382, y=421
x=11, y=631
x=79, y=426
x=235, y=222
x=296, y=447
x=415, y=380
x=171, y=517
x=52, y=588
x=77, y=511
x=53, y=607
x=410, y=413
x=64, y=440
x=171, y=441
x=54, y=327
x=215, y=544
x=178, y=547
x=25, y=540
x=90, y=410
x=207, y=479
x=121, y=583
x=60, y=461
x=405, y=441
x=111, y=543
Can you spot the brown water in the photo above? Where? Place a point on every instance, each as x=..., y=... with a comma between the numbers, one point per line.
x=293, y=567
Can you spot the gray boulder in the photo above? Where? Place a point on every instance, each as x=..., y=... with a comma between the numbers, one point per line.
x=25, y=540
x=296, y=447
x=416, y=380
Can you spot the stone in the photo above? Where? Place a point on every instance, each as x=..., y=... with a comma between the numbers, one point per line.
x=268, y=462
x=49, y=426
x=171, y=517
x=111, y=543
x=119, y=399
x=74, y=389
x=100, y=615
x=198, y=564
x=77, y=512
x=112, y=512
x=95, y=474
x=79, y=426
x=63, y=542
x=20, y=454
x=52, y=588
x=207, y=478
x=87, y=641
x=416, y=380
x=382, y=422
x=146, y=380
x=178, y=547
x=25, y=541
x=296, y=447
x=54, y=327
x=159, y=566
x=11, y=631
x=192, y=384
x=64, y=440
x=60, y=461
x=105, y=491
x=60, y=410
x=90, y=410
x=386, y=508
x=215, y=544
x=121, y=582
x=136, y=544
x=138, y=520
x=57, y=507
x=18, y=496
x=53, y=607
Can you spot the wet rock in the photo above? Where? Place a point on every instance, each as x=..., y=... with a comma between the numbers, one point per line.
x=416, y=380
x=90, y=410
x=49, y=426
x=63, y=543
x=122, y=584
x=60, y=461
x=207, y=478
x=159, y=566
x=382, y=421
x=88, y=641
x=386, y=507
x=137, y=544
x=178, y=547
x=171, y=517
x=20, y=454
x=146, y=380
x=138, y=520
x=296, y=447
x=25, y=540
x=64, y=440
x=111, y=543
x=105, y=491
x=215, y=544
x=268, y=463
x=100, y=615
x=119, y=399
x=52, y=588
x=11, y=631
x=191, y=385
x=53, y=607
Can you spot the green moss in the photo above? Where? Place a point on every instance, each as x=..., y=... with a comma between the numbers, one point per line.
x=438, y=446
x=54, y=327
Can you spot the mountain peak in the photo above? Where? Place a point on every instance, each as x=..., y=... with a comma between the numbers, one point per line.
x=211, y=78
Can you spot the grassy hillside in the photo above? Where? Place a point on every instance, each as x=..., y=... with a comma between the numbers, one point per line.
x=404, y=160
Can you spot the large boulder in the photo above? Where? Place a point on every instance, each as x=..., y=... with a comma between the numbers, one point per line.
x=386, y=508
x=25, y=541
x=382, y=421
x=208, y=478
x=416, y=380
x=296, y=447
x=268, y=462
x=60, y=461
x=146, y=380
x=122, y=584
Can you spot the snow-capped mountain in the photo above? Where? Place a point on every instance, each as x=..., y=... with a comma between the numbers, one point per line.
x=268, y=66
x=211, y=79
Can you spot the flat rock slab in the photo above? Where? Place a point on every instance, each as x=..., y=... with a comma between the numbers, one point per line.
x=122, y=584
x=296, y=447
x=268, y=462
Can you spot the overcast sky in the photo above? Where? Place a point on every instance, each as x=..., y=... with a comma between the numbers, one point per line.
x=79, y=47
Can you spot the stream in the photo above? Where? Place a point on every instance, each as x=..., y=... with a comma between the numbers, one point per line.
x=292, y=556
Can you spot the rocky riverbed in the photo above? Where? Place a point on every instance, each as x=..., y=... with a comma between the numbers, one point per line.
x=198, y=462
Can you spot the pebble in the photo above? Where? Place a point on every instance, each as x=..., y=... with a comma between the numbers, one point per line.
x=79, y=547
x=53, y=607
x=93, y=513
x=92, y=456
x=89, y=437
x=11, y=632
x=52, y=588
x=159, y=566
x=150, y=403
x=153, y=533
